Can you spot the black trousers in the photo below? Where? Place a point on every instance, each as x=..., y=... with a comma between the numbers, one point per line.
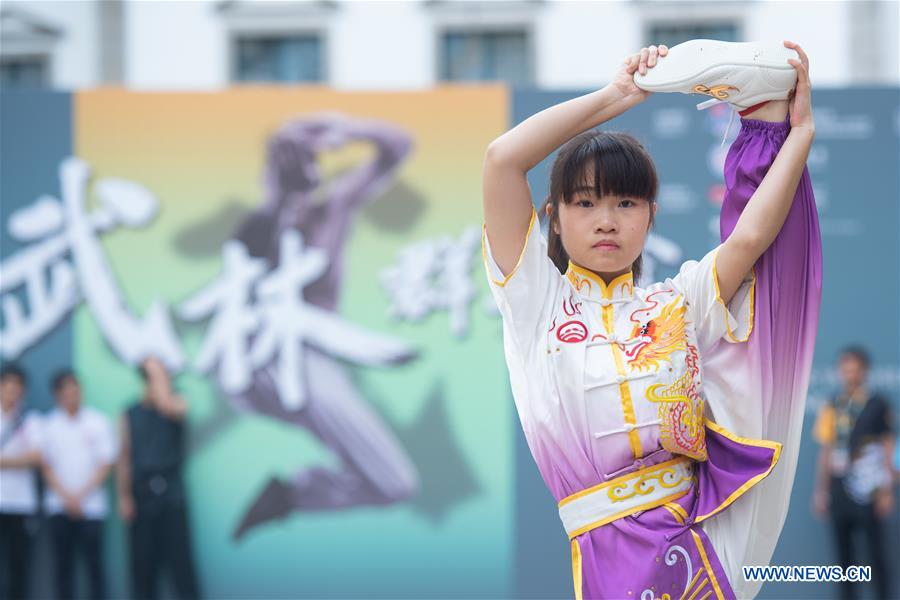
x=73, y=538
x=15, y=558
x=161, y=541
x=846, y=517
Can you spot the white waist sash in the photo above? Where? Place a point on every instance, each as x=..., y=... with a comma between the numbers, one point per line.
x=643, y=489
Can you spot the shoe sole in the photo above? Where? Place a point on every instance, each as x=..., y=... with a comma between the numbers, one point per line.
x=701, y=56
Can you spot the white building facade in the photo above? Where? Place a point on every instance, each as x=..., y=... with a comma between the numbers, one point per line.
x=385, y=45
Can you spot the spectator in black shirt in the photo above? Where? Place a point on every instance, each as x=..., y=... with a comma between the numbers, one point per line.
x=854, y=486
x=152, y=496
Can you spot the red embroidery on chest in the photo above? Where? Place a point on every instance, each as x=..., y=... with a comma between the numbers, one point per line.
x=571, y=306
x=572, y=332
x=648, y=309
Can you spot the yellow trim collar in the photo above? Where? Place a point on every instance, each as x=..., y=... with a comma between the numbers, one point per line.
x=591, y=285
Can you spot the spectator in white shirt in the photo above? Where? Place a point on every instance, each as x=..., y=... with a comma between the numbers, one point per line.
x=19, y=456
x=79, y=450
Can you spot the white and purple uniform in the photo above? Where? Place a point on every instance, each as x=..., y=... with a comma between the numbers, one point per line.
x=650, y=410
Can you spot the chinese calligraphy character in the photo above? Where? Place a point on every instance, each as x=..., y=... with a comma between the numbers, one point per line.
x=55, y=229
x=432, y=275
x=234, y=320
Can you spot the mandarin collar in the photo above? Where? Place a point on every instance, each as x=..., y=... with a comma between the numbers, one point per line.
x=591, y=286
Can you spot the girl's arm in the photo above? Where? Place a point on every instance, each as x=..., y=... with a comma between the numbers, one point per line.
x=765, y=213
x=507, y=197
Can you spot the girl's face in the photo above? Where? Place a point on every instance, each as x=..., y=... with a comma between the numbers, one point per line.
x=589, y=220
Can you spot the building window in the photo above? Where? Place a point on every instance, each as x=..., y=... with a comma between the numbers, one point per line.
x=486, y=56
x=287, y=58
x=24, y=71
x=29, y=47
x=672, y=34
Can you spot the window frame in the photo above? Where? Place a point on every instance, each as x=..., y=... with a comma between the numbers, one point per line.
x=530, y=55
x=285, y=19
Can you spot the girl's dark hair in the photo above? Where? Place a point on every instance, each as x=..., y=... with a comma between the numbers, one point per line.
x=622, y=167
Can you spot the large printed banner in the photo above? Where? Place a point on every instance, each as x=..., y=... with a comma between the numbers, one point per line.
x=309, y=262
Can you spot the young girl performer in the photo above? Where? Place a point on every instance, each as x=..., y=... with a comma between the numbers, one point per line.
x=651, y=410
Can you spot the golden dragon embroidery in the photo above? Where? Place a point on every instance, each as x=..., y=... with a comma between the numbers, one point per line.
x=680, y=404
x=666, y=333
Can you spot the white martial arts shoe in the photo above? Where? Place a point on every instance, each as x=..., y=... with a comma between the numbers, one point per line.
x=742, y=74
x=739, y=73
